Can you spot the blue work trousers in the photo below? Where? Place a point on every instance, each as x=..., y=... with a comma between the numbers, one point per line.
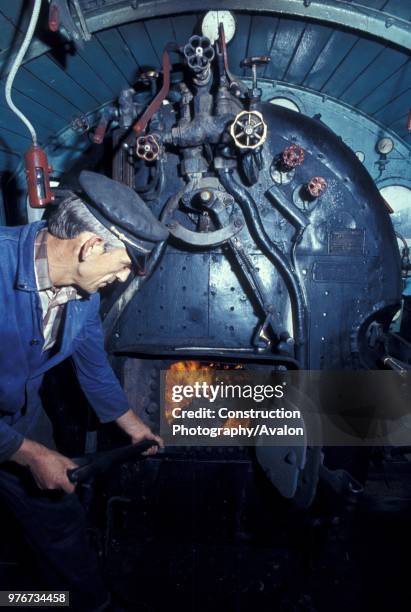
x=53, y=523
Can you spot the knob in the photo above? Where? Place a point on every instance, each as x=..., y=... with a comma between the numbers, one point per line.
x=248, y=130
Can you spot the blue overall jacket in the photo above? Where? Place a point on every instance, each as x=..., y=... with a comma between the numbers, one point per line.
x=22, y=363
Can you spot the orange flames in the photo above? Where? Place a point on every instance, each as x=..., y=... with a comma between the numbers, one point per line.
x=186, y=373
x=180, y=375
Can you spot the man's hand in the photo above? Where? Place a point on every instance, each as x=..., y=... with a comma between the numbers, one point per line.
x=49, y=468
x=138, y=431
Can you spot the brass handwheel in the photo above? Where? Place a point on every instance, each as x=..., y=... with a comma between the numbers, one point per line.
x=248, y=130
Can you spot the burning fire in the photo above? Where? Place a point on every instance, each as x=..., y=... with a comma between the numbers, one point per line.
x=180, y=375
x=185, y=366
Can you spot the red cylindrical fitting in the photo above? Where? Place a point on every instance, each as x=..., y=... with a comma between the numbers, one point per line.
x=54, y=17
x=293, y=156
x=100, y=132
x=37, y=174
x=316, y=186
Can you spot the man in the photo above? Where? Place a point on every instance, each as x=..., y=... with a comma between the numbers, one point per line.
x=49, y=310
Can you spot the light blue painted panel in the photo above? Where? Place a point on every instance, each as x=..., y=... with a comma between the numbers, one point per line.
x=44, y=120
x=287, y=37
x=399, y=125
x=100, y=61
x=47, y=96
x=314, y=38
x=395, y=109
x=119, y=52
x=355, y=62
x=394, y=85
x=160, y=32
x=376, y=4
x=139, y=44
x=375, y=75
x=399, y=8
x=49, y=72
x=183, y=26
x=263, y=30
x=13, y=10
x=329, y=59
x=88, y=77
x=7, y=33
x=9, y=140
x=8, y=120
x=238, y=47
x=17, y=14
x=9, y=160
x=69, y=150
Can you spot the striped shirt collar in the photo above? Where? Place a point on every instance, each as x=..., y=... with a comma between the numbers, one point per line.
x=41, y=268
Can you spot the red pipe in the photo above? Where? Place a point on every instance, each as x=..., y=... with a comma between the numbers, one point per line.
x=155, y=104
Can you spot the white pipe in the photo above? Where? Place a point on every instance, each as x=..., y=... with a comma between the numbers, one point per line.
x=16, y=65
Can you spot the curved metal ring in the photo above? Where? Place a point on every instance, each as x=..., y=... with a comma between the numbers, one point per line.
x=205, y=239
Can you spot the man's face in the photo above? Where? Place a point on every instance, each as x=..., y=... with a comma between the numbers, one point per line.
x=99, y=269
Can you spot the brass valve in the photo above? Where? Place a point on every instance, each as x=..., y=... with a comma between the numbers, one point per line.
x=293, y=156
x=249, y=130
x=253, y=62
x=316, y=186
x=148, y=147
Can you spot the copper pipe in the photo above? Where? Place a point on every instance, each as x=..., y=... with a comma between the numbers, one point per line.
x=155, y=104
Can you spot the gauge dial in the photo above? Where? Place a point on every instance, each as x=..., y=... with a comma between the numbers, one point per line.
x=211, y=21
x=385, y=145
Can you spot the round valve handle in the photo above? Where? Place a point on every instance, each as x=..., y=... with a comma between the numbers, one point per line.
x=248, y=130
x=316, y=186
x=293, y=156
x=148, y=147
x=254, y=61
x=199, y=53
x=257, y=60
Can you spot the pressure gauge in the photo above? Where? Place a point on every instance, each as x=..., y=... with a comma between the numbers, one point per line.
x=211, y=21
x=385, y=145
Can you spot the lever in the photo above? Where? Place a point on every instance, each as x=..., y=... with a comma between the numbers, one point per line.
x=253, y=62
x=140, y=125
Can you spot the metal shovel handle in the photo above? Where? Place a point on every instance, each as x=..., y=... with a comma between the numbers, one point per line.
x=90, y=466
